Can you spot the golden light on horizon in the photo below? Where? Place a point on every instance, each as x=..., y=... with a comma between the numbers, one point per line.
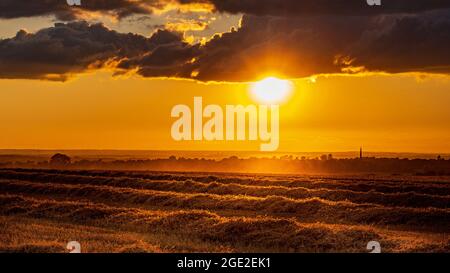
x=271, y=90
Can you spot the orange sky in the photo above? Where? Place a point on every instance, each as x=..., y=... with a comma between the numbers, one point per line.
x=391, y=113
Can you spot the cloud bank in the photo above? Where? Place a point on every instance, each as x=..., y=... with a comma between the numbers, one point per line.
x=65, y=49
x=62, y=11
x=291, y=38
x=123, y=8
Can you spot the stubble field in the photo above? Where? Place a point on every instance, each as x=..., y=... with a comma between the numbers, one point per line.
x=118, y=211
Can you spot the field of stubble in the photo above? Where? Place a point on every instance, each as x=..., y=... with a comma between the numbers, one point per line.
x=113, y=211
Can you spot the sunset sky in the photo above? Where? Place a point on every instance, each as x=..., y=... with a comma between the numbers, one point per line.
x=106, y=75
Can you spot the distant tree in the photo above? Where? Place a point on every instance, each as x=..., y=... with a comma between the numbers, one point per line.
x=60, y=160
x=439, y=157
x=330, y=157
x=323, y=157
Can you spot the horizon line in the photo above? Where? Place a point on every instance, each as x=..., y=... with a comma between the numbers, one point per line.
x=212, y=151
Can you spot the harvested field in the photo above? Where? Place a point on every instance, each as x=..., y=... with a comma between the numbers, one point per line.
x=117, y=211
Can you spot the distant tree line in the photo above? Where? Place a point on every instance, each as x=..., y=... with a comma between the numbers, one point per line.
x=284, y=164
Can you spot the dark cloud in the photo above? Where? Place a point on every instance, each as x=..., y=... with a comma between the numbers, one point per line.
x=295, y=47
x=292, y=47
x=61, y=10
x=409, y=43
x=301, y=47
x=56, y=52
x=122, y=8
x=322, y=7
x=168, y=59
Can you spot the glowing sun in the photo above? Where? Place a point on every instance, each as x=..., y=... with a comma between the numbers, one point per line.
x=271, y=90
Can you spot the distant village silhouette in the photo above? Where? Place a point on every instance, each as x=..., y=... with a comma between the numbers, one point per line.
x=325, y=163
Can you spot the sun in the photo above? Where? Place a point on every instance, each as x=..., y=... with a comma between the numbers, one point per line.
x=271, y=90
